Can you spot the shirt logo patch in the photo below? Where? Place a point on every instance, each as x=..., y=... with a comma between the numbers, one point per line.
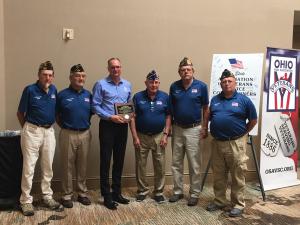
x=159, y=102
x=37, y=97
x=142, y=102
x=177, y=91
x=235, y=104
x=218, y=103
x=53, y=96
x=69, y=99
x=86, y=99
x=194, y=90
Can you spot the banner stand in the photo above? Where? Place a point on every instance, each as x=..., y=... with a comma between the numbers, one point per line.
x=250, y=142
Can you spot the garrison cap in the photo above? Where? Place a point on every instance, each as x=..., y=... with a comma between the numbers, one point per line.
x=46, y=66
x=152, y=75
x=76, y=68
x=226, y=73
x=185, y=62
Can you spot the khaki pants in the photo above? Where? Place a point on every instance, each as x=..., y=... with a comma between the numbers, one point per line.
x=74, y=147
x=37, y=141
x=186, y=140
x=150, y=143
x=229, y=156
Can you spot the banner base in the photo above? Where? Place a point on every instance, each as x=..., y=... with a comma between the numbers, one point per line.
x=278, y=186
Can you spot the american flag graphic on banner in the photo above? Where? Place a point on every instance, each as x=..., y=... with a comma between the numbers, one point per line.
x=236, y=63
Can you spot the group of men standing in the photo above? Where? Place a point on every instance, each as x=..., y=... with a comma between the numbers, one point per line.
x=186, y=109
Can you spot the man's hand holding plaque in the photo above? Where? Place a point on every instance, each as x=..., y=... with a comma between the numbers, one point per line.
x=125, y=111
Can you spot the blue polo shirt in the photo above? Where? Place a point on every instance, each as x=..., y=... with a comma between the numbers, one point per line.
x=151, y=114
x=186, y=105
x=228, y=115
x=38, y=105
x=74, y=108
x=106, y=93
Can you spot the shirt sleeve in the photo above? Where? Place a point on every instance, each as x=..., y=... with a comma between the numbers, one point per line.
x=97, y=102
x=168, y=110
x=129, y=94
x=205, y=100
x=57, y=105
x=170, y=100
x=251, y=111
x=23, y=105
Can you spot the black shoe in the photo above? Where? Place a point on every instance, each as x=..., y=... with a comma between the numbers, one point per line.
x=176, y=197
x=67, y=203
x=159, y=199
x=110, y=204
x=140, y=198
x=192, y=201
x=120, y=199
x=213, y=207
x=84, y=200
x=235, y=212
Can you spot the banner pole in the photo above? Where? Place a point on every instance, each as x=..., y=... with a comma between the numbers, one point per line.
x=250, y=142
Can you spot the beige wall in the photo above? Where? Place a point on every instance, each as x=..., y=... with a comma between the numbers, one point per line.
x=145, y=35
x=2, y=70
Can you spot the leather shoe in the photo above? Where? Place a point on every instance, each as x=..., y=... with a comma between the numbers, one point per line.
x=235, y=212
x=84, y=200
x=213, y=207
x=110, y=204
x=140, y=198
x=176, y=197
x=120, y=199
x=192, y=201
x=67, y=203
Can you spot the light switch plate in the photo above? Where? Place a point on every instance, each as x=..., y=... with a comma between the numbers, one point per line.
x=68, y=34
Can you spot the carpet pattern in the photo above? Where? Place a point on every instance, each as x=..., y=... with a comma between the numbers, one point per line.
x=281, y=208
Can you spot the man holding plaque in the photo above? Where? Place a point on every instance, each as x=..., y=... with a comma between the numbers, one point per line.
x=189, y=100
x=150, y=129
x=229, y=112
x=111, y=96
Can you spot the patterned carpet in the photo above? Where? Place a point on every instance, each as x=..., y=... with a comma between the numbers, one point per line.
x=281, y=208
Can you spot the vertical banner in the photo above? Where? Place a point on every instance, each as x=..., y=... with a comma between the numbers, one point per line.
x=279, y=132
x=247, y=69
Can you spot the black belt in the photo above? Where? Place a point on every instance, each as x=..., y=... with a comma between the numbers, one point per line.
x=76, y=129
x=47, y=126
x=229, y=138
x=187, y=125
x=149, y=133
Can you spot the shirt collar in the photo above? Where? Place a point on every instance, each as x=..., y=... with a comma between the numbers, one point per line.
x=233, y=96
x=109, y=80
x=147, y=96
x=39, y=87
x=72, y=89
